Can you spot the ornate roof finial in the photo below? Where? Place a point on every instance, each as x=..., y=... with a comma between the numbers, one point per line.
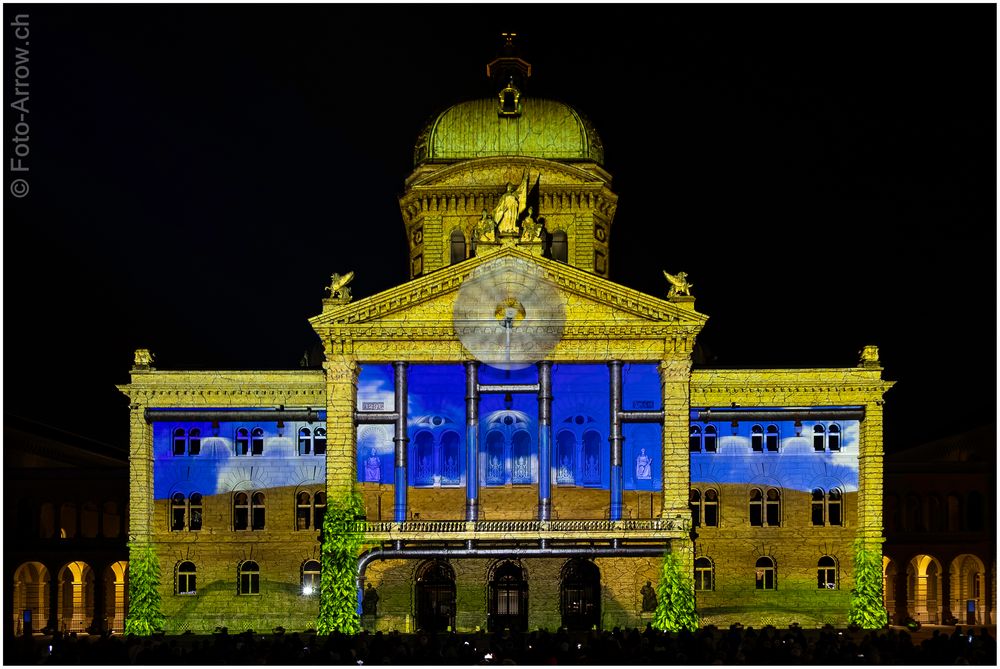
x=509, y=66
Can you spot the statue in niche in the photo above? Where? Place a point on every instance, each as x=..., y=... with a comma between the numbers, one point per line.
x=590, y=471
x=424, y=470
x=450, y=471
x=531, y=229
x=648, y=598
x=521, y=468
x=643, y=466
x=373, y=467
x=369, y=602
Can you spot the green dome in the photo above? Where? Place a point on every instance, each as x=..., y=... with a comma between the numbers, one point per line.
x=542, y=129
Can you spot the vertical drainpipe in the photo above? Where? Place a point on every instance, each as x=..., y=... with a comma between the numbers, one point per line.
x=400, y=440
x=615, y=367
x=471, y=441
x=544, y=440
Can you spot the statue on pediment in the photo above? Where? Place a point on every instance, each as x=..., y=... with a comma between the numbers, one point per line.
x=486, y=228
x=339, y=290
x=679, y=285
x=512, y=204
x=143, y=359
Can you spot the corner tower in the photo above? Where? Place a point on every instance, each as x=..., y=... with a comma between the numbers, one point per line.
x=508, y=170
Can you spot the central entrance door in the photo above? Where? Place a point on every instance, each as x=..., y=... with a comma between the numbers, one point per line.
x=580, y=595
x=435, y=597
x=508, y=598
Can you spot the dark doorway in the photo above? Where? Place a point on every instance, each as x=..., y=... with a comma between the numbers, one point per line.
x=580, y=595
x=435, y=597
x=508, y=602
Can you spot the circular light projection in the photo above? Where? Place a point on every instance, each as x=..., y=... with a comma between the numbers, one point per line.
x=508, y=314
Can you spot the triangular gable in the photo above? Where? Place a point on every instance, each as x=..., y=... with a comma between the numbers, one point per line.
x=589, y=298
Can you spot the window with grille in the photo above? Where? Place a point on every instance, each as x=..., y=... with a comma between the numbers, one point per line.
x=765, y=577
x=186, y=579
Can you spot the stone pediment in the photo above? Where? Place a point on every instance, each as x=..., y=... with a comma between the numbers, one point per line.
x=493, y=173
x=593, y=305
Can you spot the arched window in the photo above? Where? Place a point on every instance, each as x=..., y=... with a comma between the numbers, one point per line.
x=695, y=498
x=450, y=458
x=954, y=513
x=711, y=508
x=757, y=439
x=248, y=581
x=319, y=441
x=186, y=579
x=194, y=441
x=195, y=518
x=180, y=443
x=241, y=511
x=771, y=441
x=303, y=510
x=819, y=438
x=826, y=573
x=257, y=509
x=694, y=442
x=834, y=438
x=914, y=514
x=560, y=246
x=834, y=508
x=765, y=574
x=67, y=520
x=704, y=576
x=457, y=246
x=772, y=508
x=319, y=509
x=47, y=520
x=711, y=439
x=112, y=524
x=974, y=511
x=756, y=508
x=257, y=441
x=521, y=457
x=818, y=501
x=310, y=578
x=591, y=457
x=177, y=511
x=242, y=441
x=89, y=517
x=305, y=441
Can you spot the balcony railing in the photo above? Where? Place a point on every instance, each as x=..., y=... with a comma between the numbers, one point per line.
x=647, y=526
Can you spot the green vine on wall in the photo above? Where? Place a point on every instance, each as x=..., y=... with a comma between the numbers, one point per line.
x=675, y=606
x=867, y=609
x=341, y=543
x=144, y=614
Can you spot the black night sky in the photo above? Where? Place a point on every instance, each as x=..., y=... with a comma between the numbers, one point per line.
x=824, y=173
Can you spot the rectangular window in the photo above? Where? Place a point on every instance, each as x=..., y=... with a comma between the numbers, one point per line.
x=186, y=584
x=257, y=446
x=250, y=583
x=195, y=518
x=773, y=514
x=834, y=512
x=817, y=513
x=765, y=579
x=711, y=514
x=240, y=518
x=756, y=516
x=258, y=518
x=177, y=521
x=195, y=446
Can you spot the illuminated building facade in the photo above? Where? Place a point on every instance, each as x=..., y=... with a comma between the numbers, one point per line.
x=528, y=437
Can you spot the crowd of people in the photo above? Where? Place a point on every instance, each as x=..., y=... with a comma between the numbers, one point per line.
x=612, y=647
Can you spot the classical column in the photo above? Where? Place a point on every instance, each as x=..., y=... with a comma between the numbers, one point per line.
x=55, y=586
x=341, y=433
x=615, y=367
x=544, y=440
x=946, y=594
x=902, y=593
x=675, y=382
x=400, y=440
x=471, y=441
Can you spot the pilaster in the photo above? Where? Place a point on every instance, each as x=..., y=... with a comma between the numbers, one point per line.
x=870, y=455
x=140, y=523
x=341, y=400
x=675, y=382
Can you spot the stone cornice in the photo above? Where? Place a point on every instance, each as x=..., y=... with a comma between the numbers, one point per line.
x=776, y=387
x=227, y=388
x=570, y=279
